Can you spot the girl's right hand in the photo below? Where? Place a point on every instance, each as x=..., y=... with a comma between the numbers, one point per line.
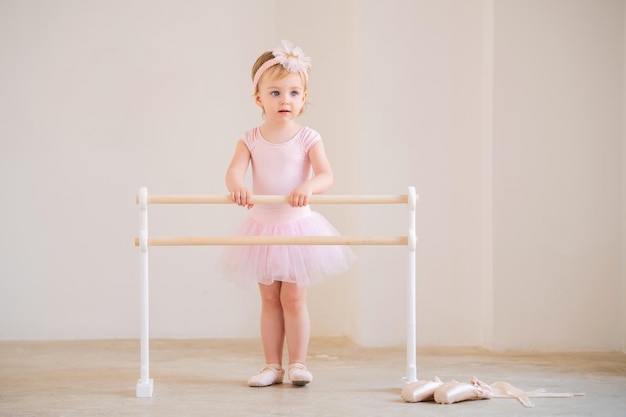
x=241, y=197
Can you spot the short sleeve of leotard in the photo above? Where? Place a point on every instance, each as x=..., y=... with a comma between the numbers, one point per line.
x=308, y=138
x=250, y=137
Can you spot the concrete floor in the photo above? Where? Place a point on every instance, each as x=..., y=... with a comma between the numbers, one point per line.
x=208, y=378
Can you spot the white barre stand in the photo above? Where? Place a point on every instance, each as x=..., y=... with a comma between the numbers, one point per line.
x=145, y=385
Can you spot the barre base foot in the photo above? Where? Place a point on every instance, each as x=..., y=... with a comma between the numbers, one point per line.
x=145, y=389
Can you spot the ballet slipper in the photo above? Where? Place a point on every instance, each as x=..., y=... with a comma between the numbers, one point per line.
x=419, y=391
x=270, y=374
x=298, y=374
x=454, y=391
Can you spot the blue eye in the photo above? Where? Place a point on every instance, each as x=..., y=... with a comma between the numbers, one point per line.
x=275, y=93
x=294, y=93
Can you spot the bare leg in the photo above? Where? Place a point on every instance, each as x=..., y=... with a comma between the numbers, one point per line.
x=272, y=322
x=296, y=321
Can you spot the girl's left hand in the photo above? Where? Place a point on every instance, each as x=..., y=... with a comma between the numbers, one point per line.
x=300, y=196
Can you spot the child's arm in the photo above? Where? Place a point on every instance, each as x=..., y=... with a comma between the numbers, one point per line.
x=235, y=176
x=321, y=181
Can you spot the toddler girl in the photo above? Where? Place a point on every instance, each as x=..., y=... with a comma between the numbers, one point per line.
x=282, y=154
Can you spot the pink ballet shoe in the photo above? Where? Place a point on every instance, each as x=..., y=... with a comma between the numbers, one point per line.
x=271, y=374
x=298, y=374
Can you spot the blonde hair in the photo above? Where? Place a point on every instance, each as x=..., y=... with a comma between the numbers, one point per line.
x=275, y=72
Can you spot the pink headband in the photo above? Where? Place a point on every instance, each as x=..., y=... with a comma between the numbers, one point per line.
x=290, y=57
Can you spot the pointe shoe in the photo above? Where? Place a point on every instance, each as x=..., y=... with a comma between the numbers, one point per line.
x=271, y=374
x=298, y=374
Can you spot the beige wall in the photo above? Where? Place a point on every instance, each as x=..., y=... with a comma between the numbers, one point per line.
x=507, y=116
x=420, y=124
x=557, y=168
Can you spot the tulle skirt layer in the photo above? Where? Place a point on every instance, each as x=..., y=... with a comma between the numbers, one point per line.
x=300, y=264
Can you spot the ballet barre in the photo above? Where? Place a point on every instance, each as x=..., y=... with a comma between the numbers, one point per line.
x=274, y=240
x=278, y=199
x=145, y=385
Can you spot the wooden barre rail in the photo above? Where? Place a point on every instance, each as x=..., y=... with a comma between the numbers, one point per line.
x=274, y=240
x=278, y=199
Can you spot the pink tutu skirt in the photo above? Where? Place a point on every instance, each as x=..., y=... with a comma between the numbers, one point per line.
x=300, y=264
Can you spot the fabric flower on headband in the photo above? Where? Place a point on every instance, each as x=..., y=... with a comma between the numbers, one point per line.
x=291, y=57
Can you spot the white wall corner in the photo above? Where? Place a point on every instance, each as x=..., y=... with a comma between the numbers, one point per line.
x=623, y=243
x=487, y=178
